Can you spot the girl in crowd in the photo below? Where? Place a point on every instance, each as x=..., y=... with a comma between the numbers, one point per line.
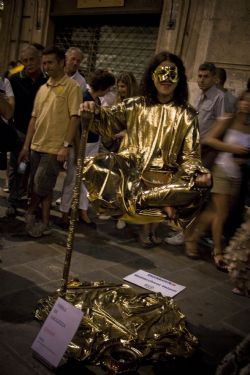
x=230, y=136
x=126, y=86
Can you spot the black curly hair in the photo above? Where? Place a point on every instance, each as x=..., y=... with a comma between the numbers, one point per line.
x=101, y=79
x=148, y=89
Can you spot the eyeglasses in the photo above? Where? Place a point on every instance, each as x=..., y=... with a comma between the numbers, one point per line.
x=166, y=73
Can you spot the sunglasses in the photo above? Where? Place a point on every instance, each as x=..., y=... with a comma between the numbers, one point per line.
x=166, y=73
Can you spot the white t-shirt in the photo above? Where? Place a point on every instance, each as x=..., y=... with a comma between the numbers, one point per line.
x=226, y=159
x=80, y=80
x=6, y=89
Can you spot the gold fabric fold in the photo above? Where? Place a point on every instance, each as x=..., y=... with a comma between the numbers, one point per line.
x=161, y=139
x=145, y=325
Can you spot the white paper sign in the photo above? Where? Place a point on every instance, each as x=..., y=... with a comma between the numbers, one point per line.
x=57, y=332
x=154, y=283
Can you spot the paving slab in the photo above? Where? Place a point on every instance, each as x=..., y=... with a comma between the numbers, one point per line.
x=32, y=269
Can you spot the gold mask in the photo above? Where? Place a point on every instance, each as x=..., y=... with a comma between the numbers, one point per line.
x=166, y=73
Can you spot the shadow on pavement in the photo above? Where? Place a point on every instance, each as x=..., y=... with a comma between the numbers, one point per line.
x=21, y=297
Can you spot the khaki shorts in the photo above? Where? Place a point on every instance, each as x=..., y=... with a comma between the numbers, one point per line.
x=44, y=172
x=223, y=184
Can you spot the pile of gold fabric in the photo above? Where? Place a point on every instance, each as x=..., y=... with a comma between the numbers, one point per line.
x=120, y=328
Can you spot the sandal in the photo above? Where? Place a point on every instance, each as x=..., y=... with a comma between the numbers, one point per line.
x=89, y=224
x=145, y=241
x=191, y=250
x=240, y=292
x=219, y=262
x=156, y=240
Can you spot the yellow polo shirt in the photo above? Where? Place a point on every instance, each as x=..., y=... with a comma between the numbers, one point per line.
x=53, y=107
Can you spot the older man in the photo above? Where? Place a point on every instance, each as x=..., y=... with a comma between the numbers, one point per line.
x=74, y=57
x=25, y=85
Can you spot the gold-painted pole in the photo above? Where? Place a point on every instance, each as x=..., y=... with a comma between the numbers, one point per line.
x=85, y=125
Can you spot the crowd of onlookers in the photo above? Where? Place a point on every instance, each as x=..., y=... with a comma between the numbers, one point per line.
x=40, y=97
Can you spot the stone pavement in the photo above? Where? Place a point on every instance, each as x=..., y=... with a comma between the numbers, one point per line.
x=33, y=268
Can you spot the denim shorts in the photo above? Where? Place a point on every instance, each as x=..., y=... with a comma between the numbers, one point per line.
x=44, y=172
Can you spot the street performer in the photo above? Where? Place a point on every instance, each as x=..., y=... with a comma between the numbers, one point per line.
x=157, y=173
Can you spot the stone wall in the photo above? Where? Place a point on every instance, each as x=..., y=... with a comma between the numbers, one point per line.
x=23, y=22
x=212, y=30
x=209, y=30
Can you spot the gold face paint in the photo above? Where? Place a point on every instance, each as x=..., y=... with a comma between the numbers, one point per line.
x=166, y=73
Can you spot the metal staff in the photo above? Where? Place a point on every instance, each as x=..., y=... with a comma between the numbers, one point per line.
x=85, y=125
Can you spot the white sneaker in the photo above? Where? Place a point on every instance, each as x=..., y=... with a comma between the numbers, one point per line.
x=38, y=230
x=177, y=239
x=58, y=201
x=30, y=220
x=120, y=224
x=104, y=217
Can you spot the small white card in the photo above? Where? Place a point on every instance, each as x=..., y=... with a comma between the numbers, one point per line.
x=57, y=332
x=154, y=283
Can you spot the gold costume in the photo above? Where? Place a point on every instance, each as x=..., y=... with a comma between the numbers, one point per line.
x=155, y=166
x=120, y=328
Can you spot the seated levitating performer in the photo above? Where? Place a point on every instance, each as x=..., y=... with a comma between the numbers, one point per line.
x=157, y=173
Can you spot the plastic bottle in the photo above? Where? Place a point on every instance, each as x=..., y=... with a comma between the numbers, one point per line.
x=22, y=167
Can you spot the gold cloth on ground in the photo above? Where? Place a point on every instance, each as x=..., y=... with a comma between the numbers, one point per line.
x=148, y=324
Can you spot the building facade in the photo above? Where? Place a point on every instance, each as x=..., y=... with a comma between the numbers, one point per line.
x=124, y=34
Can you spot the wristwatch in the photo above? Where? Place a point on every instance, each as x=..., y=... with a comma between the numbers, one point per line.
x=67, y=144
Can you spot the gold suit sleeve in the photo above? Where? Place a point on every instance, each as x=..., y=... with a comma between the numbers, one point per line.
x=190, y=160
x=110, y=121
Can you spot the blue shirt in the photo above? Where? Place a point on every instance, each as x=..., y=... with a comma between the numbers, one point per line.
x=210, y=105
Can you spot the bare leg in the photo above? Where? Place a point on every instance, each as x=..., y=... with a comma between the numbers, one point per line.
x=156, y=240
x=84, y=216
x=65, y=218
x=34, y=203
x=46, y=203
x=144, y=236
x=221, y=204
x=193, y=233
x=30, y=216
